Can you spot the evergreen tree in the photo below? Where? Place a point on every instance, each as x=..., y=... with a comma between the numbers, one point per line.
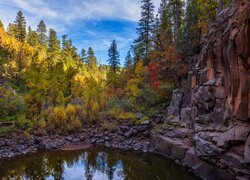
x=128, y=60
x=145, y=29
x=163, y=27
x=53, y=49
x=83, y=55
x=114, y=60
x=32, y=37
x=91, y=59
x=64, y=41
x=11, y=29
x=20, y=25
x=53, y=41
x=1, y=24
x=176, y=12
x=42, y=31
x=191, y=27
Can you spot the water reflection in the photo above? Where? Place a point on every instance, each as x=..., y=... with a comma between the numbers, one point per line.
x=92, y=164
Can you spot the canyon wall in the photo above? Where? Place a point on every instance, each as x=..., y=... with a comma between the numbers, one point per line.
x=210, y=114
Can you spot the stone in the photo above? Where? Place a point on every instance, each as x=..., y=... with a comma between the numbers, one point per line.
x=247, y=151
x=178, y=133
x=238, y=133
x=147, y=122
x=42, y=146
x=137, y=147
x=139, y=115
x=37, y=140
x=175, y=105
x=206, y=149
x=141, y=128
x=129, y=133
x=178, y=151
x=2, y=143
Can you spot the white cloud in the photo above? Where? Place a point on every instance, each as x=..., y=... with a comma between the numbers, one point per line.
x=61, y=15
x=67, y=11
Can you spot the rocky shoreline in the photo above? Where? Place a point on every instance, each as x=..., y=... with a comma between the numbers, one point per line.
x=126, y=136
x=162, y=134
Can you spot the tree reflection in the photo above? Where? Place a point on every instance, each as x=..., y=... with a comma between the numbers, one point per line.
x=111, y=164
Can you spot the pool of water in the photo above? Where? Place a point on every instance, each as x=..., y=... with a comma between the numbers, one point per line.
x=94, y=163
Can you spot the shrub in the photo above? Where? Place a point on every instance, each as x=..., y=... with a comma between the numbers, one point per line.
x=11, y=105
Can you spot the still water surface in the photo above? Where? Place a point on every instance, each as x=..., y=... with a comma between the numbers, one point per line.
x=94, y=163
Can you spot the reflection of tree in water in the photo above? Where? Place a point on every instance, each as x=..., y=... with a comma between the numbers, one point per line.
x=111, y=163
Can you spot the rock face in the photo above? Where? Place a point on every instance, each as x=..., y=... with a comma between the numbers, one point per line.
x=217, y=112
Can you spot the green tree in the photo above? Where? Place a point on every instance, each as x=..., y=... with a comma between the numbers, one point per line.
x=191, y=27
x=1, y=24
x=11, y=29
x=53, y=41
x=53, y=48
x=83, y=55
x=163, y=36
x=20, y=25
x=145, y=29
x=32, y=37
x=91, y=59
x=42, y=31
x=114, y=57
x=176, y=11
x=128, y=60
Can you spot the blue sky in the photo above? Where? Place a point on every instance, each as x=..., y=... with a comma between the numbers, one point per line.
x=92, y=23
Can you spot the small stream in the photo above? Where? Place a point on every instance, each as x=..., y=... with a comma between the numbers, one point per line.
x=94, y=163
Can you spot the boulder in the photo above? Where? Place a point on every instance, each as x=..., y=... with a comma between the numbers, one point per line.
x=206, y=149
x=175, y=105
x=238, y=133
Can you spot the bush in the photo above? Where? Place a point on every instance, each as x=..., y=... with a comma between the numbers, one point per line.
x=65, y=119
x=11, y=105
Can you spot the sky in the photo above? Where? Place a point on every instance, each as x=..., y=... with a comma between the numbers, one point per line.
x=89, y=23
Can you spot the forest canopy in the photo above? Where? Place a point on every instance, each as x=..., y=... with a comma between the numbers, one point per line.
x=46, y=82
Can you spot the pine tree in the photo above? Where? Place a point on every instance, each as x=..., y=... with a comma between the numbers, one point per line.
x=11, y=29
x=64, y=41
x=32, y=37
x=191, y=27
x=53, y=41
x=83, y=55
x=163, y=35
x=128, y=60
x=20, y=25
x=42, y=31
x=145, y=29
x=176, y=12
x=91, y=59
x=114, y=59
x=53, y=49
x=1, y=24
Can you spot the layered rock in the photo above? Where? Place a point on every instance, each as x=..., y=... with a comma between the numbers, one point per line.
x=217, y=109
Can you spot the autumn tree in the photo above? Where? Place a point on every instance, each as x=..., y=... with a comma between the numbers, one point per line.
x=42, y=31
x=145, y=29
x=20, y=25
x=208, y=10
